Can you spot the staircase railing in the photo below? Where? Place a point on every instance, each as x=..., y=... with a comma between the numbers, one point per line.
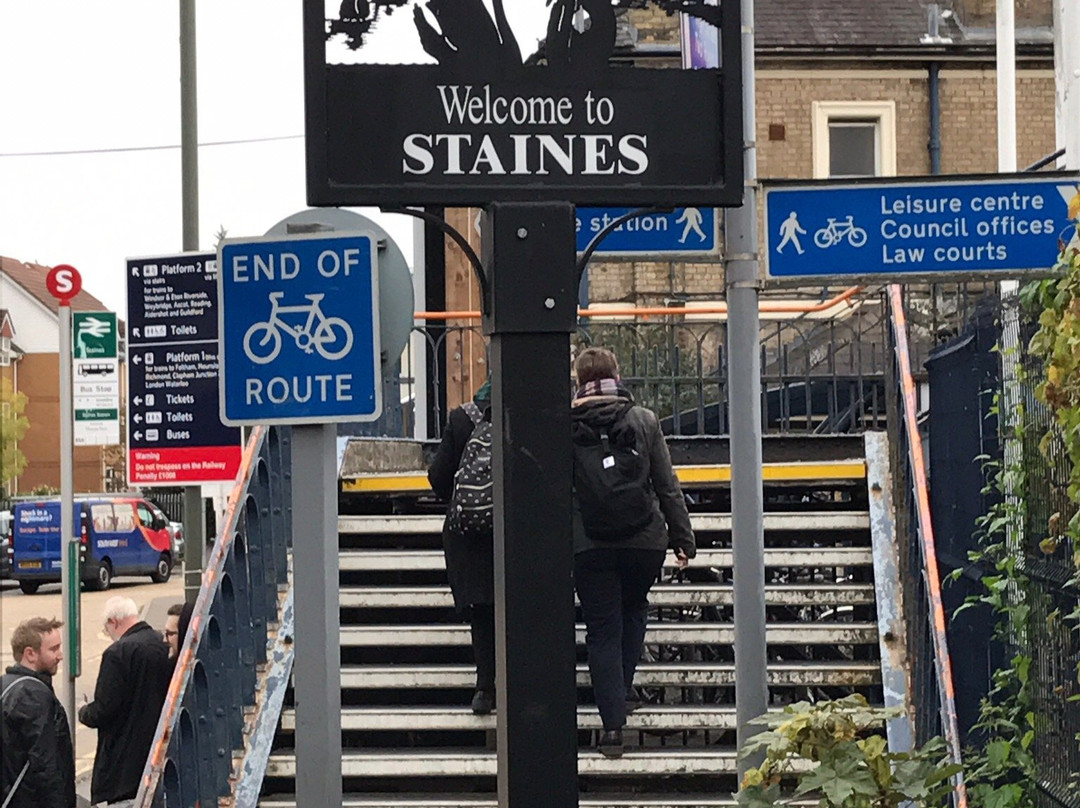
x=215, y=684
x=931, y=679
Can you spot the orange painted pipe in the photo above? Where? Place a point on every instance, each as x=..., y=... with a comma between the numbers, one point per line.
x=775, y=307
x=928, y=546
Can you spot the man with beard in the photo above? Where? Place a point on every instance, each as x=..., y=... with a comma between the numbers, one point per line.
x=37, y=758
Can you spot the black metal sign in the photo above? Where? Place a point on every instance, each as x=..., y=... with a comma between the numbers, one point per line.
x=482, y=123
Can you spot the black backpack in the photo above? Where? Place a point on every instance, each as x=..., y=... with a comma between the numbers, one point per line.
x=471, y=513
x=611, y=479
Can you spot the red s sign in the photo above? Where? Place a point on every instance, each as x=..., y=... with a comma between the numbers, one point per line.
x=63, y=283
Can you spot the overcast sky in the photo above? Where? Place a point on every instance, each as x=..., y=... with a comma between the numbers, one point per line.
x=102, y=80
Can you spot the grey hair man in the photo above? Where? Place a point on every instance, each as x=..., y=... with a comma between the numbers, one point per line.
x=131, y=688
x=37, y=766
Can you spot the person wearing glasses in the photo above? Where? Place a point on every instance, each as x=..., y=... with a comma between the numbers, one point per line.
x=171, y=634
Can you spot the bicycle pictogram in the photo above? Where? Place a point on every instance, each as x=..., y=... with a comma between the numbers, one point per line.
x=836, y=231
x=330, y=336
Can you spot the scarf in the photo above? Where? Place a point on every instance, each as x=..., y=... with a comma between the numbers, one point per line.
x=603, y=387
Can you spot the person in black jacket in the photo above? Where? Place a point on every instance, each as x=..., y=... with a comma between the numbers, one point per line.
x=37, y=758
x=613, y=574
x=131, y=689
x=470, y=564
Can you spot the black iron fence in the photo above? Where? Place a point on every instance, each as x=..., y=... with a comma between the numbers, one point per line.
x=214, y=685
x=823, y=360
x=1051, y=638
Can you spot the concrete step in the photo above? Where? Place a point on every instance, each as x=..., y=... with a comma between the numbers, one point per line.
x=384, y=636
x=649, y=674
x=649, y=717
x=676, y=595
x=637, y=762
x=819, y=557
x=701, y=522
x=489, y=801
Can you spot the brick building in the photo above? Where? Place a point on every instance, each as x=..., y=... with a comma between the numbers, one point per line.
x=845, y=88
x=29, y=358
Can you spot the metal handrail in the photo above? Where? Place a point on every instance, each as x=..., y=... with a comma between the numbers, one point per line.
x=925, y=531
x=189, y=651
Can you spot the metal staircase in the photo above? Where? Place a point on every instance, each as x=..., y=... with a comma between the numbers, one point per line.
x=410, y=740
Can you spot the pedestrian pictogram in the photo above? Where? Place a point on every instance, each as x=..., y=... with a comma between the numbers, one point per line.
x=791, y=230
x=692, y=218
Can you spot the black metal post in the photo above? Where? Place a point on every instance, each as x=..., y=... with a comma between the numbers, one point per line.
x=529, y=255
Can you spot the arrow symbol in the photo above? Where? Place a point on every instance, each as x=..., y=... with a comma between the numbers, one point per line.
x=134, y=272
x=136, y=359
x=138, y=436
x=137, y=418
x=137, y=400
x=135, y=332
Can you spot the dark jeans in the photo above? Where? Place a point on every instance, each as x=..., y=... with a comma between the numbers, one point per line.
x=483, y=643
x=613, y=586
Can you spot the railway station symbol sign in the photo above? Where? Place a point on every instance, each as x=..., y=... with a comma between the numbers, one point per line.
x=299, y=326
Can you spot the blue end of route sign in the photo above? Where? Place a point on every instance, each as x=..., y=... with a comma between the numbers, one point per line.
x=898, y=229
x=299, y=325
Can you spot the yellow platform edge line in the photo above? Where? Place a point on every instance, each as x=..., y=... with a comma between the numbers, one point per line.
x=689, y=475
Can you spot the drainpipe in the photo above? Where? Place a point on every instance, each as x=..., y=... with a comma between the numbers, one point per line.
x=935, y=118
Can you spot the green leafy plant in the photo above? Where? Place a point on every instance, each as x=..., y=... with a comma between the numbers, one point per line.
x=839, y=755
x=13, y=427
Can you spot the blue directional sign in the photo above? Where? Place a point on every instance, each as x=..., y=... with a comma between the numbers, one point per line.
x=884, y=230
x=685, y=232
x=174, y=434
x=299, y=324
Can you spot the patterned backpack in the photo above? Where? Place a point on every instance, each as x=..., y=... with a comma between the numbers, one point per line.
x=472, y=510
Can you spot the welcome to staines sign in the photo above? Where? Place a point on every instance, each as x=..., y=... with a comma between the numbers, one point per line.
x=481, y=125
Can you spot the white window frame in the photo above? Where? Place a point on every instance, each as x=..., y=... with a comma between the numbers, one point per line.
x=883, y=112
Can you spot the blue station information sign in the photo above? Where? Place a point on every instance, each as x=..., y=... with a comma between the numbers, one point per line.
x=1005, y=224
x=299, y=324
x=682, y=232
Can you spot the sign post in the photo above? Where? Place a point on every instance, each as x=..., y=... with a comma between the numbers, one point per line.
x=484, y=124
x=300, y=345
x=64, y=282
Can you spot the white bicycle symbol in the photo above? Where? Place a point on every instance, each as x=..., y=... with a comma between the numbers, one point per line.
x=262, y=342
x=833, y=233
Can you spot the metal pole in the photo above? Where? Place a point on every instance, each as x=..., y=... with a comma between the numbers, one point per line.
x=69, y=577
x=194, y=510
x=744, y=361
x=1067, y=69
x=529, y=251
x=1006, y=85
x=317, y=666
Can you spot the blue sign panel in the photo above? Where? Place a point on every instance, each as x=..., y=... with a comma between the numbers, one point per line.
x=175, y=436
x=1005, y=224
x=683, y=232
x=299, y=329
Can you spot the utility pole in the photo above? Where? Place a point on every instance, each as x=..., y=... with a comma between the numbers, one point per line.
x=744, y=361
x=1067, y=70
x=194, y=512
